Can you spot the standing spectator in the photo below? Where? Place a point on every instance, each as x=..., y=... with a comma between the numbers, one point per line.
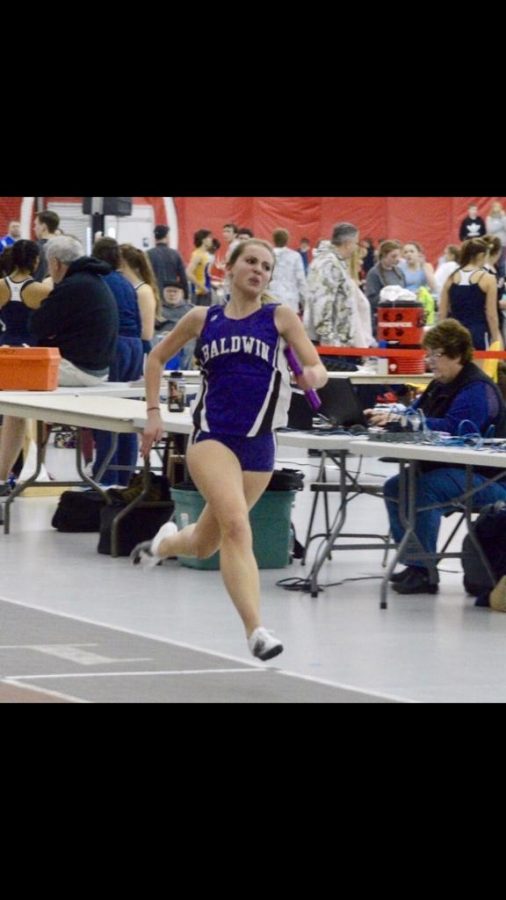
x=244, y=234
x=496, y=227
x=473, y=225
x=13, y=235
x=167, y=263
x=288, y=283
x=305, y=252
x=136, y=268
x=45, y=226
x=230, y=232
x=198, y=268
x=386, y=272
x=448, y=264
x=492, y=265
x=330, y=309
x=496, y=222
x=369, y=256
x=470, y=295
x=417, y=272
x=362, y=335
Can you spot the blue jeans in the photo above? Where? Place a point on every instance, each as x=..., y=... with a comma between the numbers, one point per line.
x=436, y=486
x=126, y=455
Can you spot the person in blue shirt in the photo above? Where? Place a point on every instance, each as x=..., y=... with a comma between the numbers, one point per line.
x=459, y=393
x=13, y=235
x=305, y=250
x=126, y=365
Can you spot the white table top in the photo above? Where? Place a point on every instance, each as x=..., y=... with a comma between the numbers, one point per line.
x=88, y=410
x=453, y=456
x=304, y=440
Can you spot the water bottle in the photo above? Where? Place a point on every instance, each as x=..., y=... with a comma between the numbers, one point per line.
x=184, y=520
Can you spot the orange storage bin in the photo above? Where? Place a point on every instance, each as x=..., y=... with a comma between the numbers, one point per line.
x=29, y=368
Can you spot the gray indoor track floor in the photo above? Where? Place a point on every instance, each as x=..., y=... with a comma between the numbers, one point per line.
x=76, y=626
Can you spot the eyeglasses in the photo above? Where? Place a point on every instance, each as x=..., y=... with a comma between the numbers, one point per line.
x=437, y=355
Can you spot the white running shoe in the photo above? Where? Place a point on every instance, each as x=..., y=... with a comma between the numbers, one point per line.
x=146, y=554
x=263, y=645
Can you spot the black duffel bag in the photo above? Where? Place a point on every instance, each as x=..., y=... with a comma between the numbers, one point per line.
x=78, y=511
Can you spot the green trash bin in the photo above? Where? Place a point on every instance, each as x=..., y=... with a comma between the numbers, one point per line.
x=270, y=522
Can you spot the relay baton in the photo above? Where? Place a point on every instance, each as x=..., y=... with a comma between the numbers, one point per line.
x=311, y=396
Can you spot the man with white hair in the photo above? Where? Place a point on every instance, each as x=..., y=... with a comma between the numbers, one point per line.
x=79, y=316
x=330, y=308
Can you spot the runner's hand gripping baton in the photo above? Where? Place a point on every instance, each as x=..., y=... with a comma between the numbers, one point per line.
x=311, y=396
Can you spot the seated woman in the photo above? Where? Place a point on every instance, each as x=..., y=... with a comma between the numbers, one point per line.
x=459, y=391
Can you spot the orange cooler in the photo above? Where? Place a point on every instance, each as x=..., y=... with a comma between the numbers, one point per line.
x=29, y=368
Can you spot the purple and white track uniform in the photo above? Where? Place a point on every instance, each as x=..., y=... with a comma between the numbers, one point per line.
x=246, y=383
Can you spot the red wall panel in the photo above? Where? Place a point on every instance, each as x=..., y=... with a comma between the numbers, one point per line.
x=432, y=221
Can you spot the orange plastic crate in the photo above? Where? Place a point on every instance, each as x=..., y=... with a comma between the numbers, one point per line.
x=29, y=368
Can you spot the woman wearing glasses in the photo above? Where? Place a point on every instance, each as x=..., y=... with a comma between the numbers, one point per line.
x=460, y=392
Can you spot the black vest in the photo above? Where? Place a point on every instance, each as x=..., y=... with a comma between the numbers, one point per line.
x=438, y=398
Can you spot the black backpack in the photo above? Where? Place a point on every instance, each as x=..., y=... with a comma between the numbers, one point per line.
x=490, y=532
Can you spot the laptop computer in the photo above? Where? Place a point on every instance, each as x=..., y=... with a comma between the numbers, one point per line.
x=340, y=404
x=340, y=408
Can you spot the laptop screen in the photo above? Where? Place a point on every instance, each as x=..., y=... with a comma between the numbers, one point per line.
x=300, y=414
x=340, y=403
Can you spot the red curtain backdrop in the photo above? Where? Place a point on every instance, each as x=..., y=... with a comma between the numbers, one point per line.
x=432, y=221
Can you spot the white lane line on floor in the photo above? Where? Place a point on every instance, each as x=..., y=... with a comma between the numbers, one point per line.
x=75, y=653
x=345, y=687
x=135, y=674
x=140, y=634
x=254, y=665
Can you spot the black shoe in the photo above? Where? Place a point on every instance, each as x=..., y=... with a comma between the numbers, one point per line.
x=398, y=577
x=417, y=582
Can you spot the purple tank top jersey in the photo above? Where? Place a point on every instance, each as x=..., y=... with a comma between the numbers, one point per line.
x=245, y=384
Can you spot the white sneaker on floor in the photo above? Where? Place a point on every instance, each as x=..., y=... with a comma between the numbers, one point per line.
x=146, y=554
x=263, y=644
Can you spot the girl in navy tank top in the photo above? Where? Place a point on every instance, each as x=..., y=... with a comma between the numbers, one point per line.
x=244, y=397
x=20, y=294
x=470, y=295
